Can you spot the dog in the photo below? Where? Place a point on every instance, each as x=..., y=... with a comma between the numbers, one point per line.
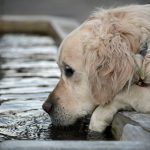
x=102, y=70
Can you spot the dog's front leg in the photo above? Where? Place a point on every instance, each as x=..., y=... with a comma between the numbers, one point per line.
x=137, y=98
x=103, y=115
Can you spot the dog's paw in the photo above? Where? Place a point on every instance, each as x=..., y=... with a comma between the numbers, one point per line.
x=97, y=125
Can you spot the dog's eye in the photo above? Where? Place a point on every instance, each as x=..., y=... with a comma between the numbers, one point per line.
x=68, y=71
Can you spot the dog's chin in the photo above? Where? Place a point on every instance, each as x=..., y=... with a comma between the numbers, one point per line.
x=61, y=118
x=76, y=122
x=62, y=122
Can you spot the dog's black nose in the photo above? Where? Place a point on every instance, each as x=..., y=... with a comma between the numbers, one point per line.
x=47, y=106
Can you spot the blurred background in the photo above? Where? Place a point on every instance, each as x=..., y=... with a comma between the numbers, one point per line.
x=77, y=9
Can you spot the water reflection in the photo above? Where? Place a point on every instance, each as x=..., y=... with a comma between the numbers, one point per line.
x=25, y=82
x=2, y=61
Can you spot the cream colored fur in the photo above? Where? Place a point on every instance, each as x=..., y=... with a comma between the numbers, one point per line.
x=104, y=54
x=137, y=98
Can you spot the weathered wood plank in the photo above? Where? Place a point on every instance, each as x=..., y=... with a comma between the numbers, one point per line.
x=135, y=133
x=136, y=122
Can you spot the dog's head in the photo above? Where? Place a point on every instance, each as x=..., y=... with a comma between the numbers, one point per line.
x=96, y=63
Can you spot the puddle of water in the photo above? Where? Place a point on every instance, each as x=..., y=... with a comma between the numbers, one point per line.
x=28, y=124
x=28, y=73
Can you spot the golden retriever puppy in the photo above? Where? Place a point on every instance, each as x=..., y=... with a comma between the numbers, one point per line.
x=100, y=65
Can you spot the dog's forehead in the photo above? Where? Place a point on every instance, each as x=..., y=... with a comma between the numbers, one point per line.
x=71, y=51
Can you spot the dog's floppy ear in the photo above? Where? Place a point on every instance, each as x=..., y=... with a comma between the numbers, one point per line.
x=109, y=64
x=129, y=33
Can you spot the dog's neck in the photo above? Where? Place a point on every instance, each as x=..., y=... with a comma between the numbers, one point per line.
x=141, y=69
x=143, y=50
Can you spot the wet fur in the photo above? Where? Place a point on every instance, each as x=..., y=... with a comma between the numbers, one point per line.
x=103, y=52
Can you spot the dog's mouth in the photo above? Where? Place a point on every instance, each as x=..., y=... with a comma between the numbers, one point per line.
x=80, y=124
x=76, y=131
x=65, y=120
